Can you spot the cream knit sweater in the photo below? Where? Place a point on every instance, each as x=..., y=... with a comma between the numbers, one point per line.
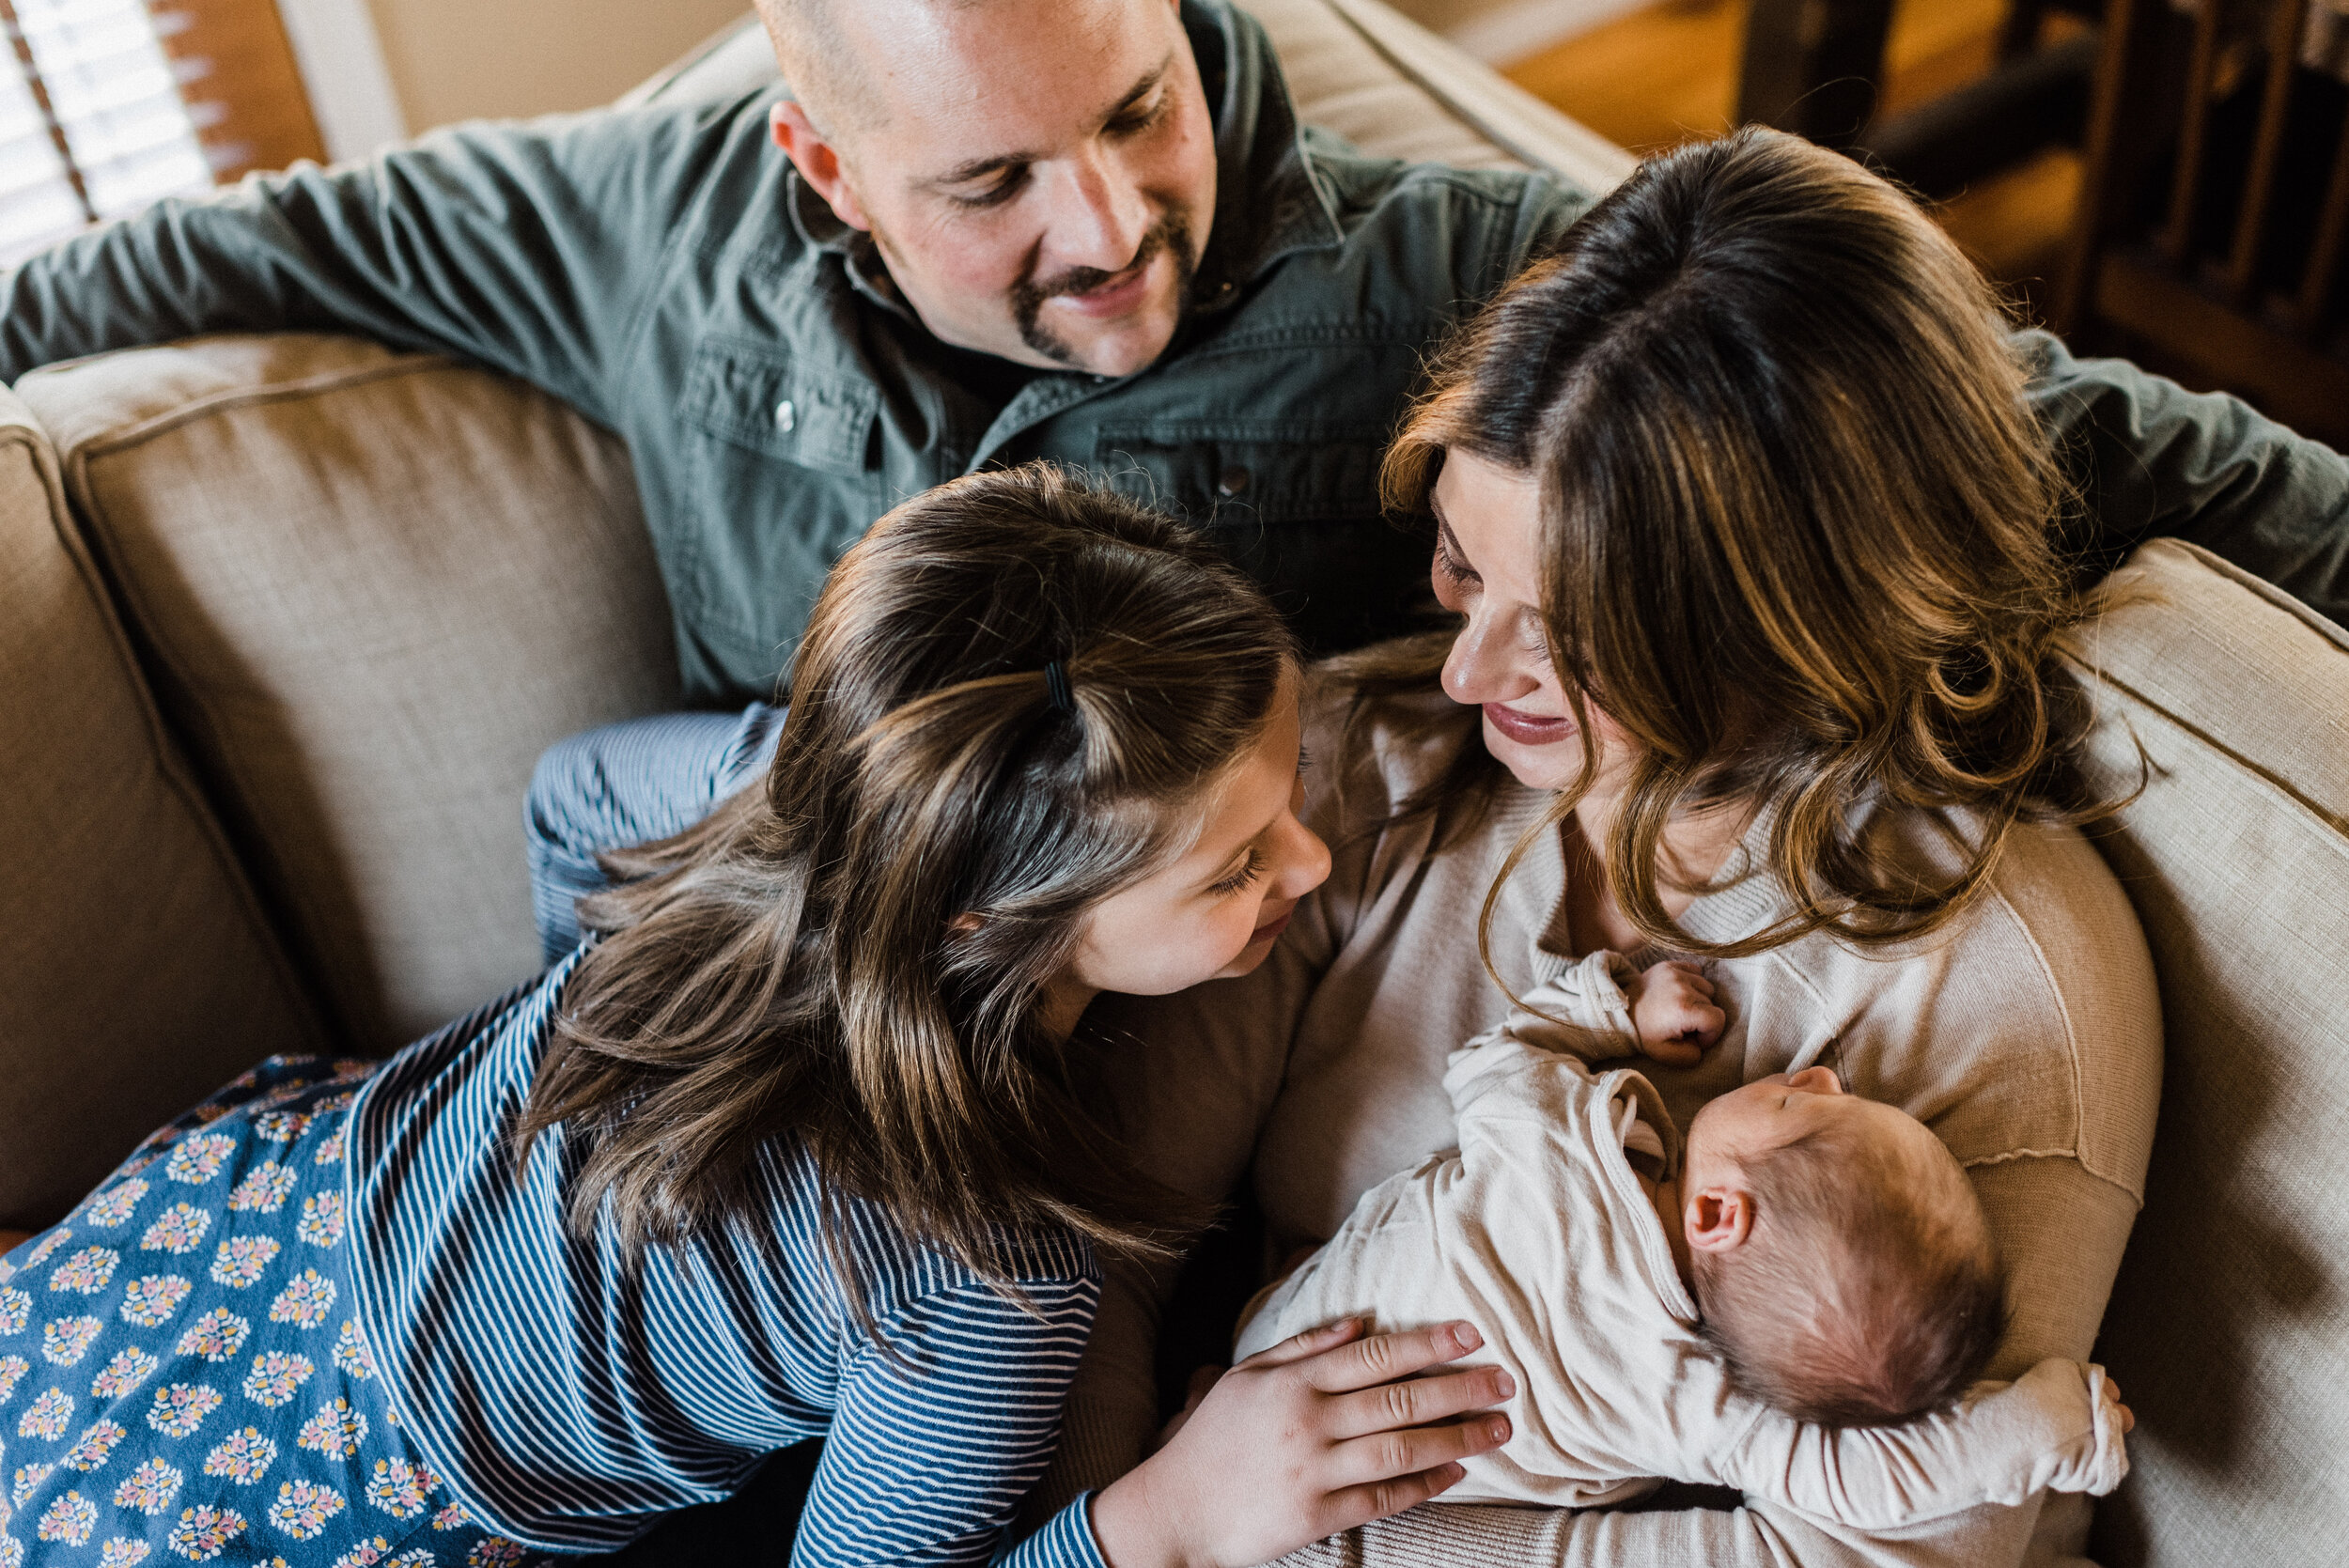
x=2026, y=1034
x=1539, y=1230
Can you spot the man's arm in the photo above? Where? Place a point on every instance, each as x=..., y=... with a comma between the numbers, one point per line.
x=525, y=247
x=2150, y=457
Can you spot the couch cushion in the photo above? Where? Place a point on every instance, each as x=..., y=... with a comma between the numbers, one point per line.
x=371, y=587
x=1355, y=67
x=2229, y=1329
x=137, y=973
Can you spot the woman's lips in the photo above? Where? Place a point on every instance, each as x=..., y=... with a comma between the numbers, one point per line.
x=1528, y=729
x=1274, y=926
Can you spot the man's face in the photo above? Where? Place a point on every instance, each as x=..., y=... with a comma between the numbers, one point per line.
x=1039, y=174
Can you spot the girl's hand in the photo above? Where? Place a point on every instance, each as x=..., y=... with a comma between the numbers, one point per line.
x=1672, y=1009
x=1319, y=1434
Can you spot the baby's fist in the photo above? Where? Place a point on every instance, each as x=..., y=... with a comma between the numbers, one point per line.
x=1673, y=1010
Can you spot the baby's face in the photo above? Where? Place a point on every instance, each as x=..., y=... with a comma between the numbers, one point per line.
x=1773, y=1112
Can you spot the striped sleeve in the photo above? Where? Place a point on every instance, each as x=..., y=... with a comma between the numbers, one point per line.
x=935, y=1438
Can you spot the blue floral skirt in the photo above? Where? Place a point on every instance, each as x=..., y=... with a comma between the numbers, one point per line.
x=180, y=1376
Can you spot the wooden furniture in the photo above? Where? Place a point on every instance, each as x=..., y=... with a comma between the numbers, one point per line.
x=2210, y=236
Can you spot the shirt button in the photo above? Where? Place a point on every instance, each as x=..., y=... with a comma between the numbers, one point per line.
x=1232, y=481
x=786, y=416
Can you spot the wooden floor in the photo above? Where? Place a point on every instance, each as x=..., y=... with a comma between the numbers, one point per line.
x=1669, y=74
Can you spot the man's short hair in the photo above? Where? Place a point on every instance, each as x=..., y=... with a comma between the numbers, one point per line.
x=1868, y=1291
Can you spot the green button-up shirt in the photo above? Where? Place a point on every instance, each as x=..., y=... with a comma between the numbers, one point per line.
x=664, y=270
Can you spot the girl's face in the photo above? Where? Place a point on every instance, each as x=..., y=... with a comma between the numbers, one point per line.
x=1488, y=567
x=1216, y=911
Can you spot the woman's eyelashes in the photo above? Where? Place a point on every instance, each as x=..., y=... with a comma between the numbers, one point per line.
x=1248, y=871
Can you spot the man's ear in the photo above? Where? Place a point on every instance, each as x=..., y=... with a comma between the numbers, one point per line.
x=1719, y=1219
x=817, y=160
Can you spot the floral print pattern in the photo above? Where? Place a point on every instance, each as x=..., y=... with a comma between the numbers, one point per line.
x=180, y=1229
x=275, y=1376
x=70, y=1519
x=400, y=1488
x=94, y=1446
x=264, y=1191
x=88, y=1271
x=336, y=1430
x=48, y=1415
x=351, y=1353
x=204, y=1532
x=181, y=1408
x=150, y=1488
x=302, y=1507
x=248, y=1190
x=67, y=1340
x=123, y=1374
x=198, y=1158
x=150, y=1300
x=115, y=1206
x=241, y=1456
x=242, y=1259
x=216, y=1336
x=321, y=1222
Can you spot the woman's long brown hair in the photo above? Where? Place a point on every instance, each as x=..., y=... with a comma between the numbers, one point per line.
x=790, y=968
x=1799, y=526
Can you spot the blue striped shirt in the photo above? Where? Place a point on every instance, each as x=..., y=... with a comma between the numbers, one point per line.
x=570, y=1398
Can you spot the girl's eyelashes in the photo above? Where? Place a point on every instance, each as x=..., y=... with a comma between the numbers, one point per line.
x=1249, y=871
x=1304, y=759
x=1453, y=571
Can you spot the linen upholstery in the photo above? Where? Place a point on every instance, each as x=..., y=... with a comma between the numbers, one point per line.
x=1366, y=72
x=2229, y=1329
x=371, y=588
x=136, y=971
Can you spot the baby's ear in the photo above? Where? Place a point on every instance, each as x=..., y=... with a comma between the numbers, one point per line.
x=1719, y=1219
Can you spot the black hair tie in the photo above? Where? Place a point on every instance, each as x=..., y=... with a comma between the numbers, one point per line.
x=1056, y=685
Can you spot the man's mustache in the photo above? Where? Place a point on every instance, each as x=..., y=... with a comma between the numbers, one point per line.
x=1085, y=280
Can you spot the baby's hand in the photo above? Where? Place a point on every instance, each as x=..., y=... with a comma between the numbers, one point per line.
x=1673, y=1010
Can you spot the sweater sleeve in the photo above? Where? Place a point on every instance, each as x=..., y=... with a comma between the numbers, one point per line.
x=945, y=1420
x=2055, y=1428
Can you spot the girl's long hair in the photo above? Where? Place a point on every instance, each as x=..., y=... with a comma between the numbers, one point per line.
x=792, y=968
x=1799, y=528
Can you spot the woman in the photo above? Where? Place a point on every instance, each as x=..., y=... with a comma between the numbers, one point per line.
x=796, y=1148
x=1748, y=533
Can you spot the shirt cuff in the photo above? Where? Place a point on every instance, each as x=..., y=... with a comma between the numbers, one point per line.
x=1066, y=1540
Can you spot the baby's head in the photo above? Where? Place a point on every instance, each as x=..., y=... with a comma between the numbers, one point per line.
x=1843, y=1263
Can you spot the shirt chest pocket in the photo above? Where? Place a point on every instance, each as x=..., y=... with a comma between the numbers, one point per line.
x=1237, y=473
x=772, y=404
x=785, y=476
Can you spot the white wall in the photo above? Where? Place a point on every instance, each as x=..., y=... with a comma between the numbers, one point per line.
x=445, y=60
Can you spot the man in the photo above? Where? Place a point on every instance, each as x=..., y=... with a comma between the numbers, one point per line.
x=1088, y=231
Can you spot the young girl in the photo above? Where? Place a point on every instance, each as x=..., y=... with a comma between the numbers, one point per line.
x=797, y=1147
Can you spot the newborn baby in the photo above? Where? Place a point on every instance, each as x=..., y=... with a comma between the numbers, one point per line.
x=1793, y=1306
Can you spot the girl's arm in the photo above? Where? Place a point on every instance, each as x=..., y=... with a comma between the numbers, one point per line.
x=935, y=1441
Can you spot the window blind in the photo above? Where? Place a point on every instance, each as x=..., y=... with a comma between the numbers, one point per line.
x=111, y=104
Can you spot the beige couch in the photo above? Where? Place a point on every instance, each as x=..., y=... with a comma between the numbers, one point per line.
x=284, y=622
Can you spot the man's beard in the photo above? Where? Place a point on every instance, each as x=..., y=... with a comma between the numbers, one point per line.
x=1171, y=234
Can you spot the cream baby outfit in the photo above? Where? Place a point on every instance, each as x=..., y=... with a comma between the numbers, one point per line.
x=1538, y=1231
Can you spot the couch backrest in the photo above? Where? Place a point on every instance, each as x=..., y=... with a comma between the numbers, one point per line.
x=369, y=588
x=2228, y=1328
x=136, y=971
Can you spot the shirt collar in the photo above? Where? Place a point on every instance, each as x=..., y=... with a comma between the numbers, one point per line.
x=1268, y=203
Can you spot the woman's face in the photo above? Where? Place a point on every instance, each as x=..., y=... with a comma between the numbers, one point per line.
x=1487, y=568
x=1215, y=911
